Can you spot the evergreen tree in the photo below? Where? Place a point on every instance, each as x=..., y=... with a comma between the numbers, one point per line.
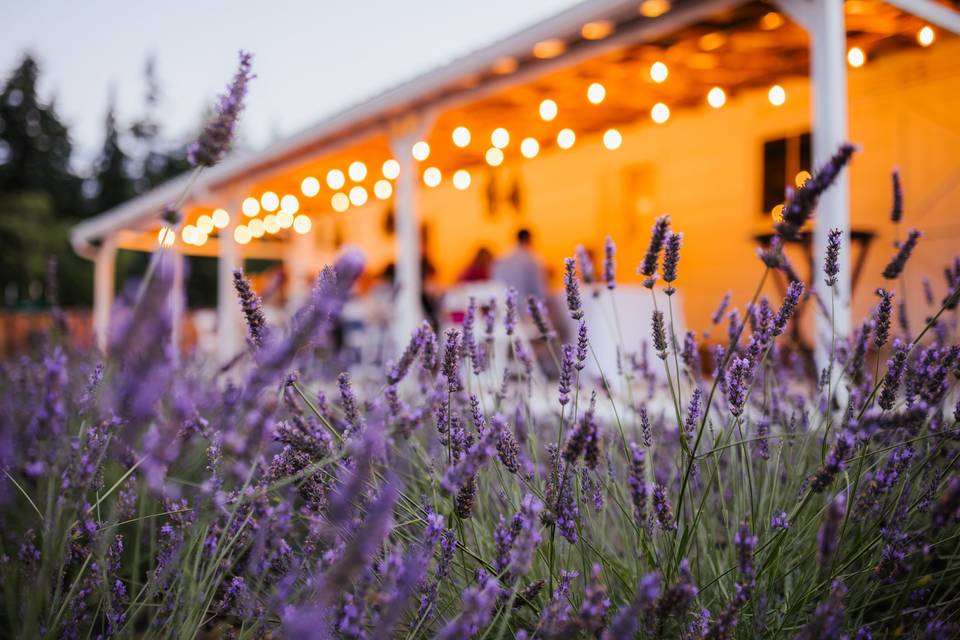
x=113, y=180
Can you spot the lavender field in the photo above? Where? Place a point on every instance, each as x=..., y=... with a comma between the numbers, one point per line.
x=461, y=492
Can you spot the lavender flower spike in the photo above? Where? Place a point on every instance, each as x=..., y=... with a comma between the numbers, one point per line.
x=671, y=258
x=794, y=291
x=610, y=263
x=896, y=265
x=828, y=535
x=800, y=207
x=658, y=236
x=881, y=322
x=896, y=210
x=252, y=308
x=831, y=263
x=573, y=289
x=217, y=135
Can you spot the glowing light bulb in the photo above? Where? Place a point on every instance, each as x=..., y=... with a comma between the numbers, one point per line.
x=777, y=95
x=716, y=97
x=285, y=219
x=926, y=36
x=340, y=202
x=566, y=138
x=269, y=201
x=529, y=148
x=310, y=186
x=546, y=49
x=221, y=218
x=242, y=234
x=461, y=136
x=250, y=207
x=659, y=72
x=302, y=224
x=777, y=213
x=271, y=224
x=856, y=57
x=660, y=113
x=654, y=8
x=500, y=138
x=391, y=169
x=548, y=110
x=189, y=234
x=461, y=179
x=420, y=151
x=596, y=92
x=358, y=196
x=335, y=179
x=201, y=238
x=612, y=139
x=494, y=157
x=205, y=223
x=432, y=176
x=357, y=171
x=289, y=203
x=383, y=189
x=597, y=30
x=166, y=237
x=801, y=178
x=257, y=228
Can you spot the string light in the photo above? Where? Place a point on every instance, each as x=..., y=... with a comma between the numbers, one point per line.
x=494, y=157
x=660, y=113
x=285, y=219
x=271, y=224
x=546, y=49
x=432, y=177
x=801, y=178
x=289, y=203
x=566, y=138
x=166, y=237
x=597, y=30
x=310, y=186
x=242, y=234
x=548, y=110
x=221, y=218
x=257, y=228
x=205, y=223
x=250, y=207
x=654, y=8
x=201, y=239
x=659, y=72
x=357, y=171
x=302, y=224
x=358, y=196
x=596, y=92
x=461, y=136
x=856, y=57
x=529, y=148
x=189, y=234
x=340, y=202
x=500, y=138
x=777, y=213
x=461, y=179
x=269, y=201
x=420, y=151
x=777, y=95
x=383, y=189
x=771, y=21
x=926, y=36
x=335, y=179
x=612, y=139
x=716, y=97
x=391, y=169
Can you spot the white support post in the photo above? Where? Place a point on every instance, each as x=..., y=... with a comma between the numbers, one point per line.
x=824, y=20
x=228, y=310
x=409, y=309
x=177, y=302
x=299, y=261
x=104, y=276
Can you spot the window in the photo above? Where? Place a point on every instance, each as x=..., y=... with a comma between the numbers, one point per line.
x=784, y=161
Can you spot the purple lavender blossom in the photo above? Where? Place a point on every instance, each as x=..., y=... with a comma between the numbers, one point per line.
x=574, y=306
x=787, y=308
x=671, y=258
x=831, y=263
x=399, y=370
x=737, y=379
x=659, y=335
x=881, y=318
x=661, y=508
x=566, y=373
x=592, y=617
x=218, y=134
x=451, y=361
x=252, y=308
x=896, y=265
x=609, y=263
x=801, y=204
x=526, y=536
x=625, y=623
x=508, y=449
x=585, y=262
x=829, y=618
x=583, y=345
x=638, y=484
x=829, y=533
x=780, y=521
x=947, y=507
x=475, y=611
x=658, y=237
x=540, y=317
x=510, y=318
x=721, y=308
x=896, y=209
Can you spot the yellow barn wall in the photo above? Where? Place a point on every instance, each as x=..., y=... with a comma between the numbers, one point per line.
x=707, y=173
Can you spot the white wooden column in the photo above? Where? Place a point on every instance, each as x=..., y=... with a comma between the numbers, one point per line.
x=178, y=300
x=104, y=276
x=409, y=279
x=824, y=20
x=229, y=340
x=299, y=260
x=933, y=12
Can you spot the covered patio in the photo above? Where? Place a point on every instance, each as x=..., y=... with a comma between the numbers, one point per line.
x=590, y=123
